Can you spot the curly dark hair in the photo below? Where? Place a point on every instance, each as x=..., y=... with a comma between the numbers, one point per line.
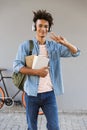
x=43, y=14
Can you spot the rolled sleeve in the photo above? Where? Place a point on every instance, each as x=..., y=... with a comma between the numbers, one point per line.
x=19, y=61
x=77, y=53
x=65, y=52
x=17, y=66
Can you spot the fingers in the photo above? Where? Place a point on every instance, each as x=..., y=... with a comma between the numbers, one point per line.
x=61, y=38
x=53, y=36
x=45, y=68
x=56, y=38
x=43, y=72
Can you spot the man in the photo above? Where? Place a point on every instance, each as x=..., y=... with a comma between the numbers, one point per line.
x=43, y=84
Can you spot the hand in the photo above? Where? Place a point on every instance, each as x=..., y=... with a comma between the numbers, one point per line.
x=64, y=42
x=58, y=38
x=42, y=72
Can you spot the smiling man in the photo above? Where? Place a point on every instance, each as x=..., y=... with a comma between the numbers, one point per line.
x=43, y=84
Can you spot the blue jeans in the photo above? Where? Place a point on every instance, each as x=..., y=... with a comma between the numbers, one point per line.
x=47, y=102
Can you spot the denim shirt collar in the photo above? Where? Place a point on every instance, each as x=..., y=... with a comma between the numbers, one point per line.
x=35, y=40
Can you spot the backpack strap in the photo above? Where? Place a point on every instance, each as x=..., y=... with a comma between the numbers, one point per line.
x=31, y=46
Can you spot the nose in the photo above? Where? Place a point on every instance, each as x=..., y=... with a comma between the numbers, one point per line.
x=44, y=29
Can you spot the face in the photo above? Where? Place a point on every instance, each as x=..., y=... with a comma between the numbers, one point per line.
x=42, y=27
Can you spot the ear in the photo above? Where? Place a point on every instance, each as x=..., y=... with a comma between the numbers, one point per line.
x=33, y=27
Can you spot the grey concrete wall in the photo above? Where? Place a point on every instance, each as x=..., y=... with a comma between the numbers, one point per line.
x=70, y=21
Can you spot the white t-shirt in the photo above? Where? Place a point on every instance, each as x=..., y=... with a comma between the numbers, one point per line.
x=45, y=84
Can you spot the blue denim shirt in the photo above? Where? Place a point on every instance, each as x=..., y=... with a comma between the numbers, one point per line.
x=55, y=52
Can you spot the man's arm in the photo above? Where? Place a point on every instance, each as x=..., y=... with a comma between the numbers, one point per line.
x=34, y=72
x=71, y=47
x=64, y=42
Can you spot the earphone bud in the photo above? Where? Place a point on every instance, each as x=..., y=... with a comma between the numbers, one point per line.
x=33, y=27
x=50, y=29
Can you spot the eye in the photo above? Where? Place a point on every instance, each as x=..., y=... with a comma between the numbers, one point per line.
x=46, y=26
x=40, y=25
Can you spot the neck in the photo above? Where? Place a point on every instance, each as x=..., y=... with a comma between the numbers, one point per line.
x=41, y=40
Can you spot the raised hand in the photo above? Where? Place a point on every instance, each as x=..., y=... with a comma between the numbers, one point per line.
x=58, y=38
x=63, y=41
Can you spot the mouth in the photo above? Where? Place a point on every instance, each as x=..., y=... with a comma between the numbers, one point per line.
x=43, y=33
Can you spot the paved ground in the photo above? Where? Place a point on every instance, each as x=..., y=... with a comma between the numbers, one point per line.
x=14, y=118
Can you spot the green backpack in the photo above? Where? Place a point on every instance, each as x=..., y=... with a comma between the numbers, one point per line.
x=19, y=78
